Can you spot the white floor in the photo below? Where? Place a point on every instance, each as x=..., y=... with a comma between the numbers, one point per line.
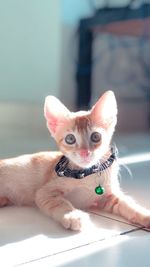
x=28, y=238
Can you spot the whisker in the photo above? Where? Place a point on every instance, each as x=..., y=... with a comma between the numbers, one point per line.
x=106, y=172
x=127, y=169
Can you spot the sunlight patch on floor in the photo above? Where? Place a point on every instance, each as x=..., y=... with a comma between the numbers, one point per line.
x=41, y=246
x=77, y=254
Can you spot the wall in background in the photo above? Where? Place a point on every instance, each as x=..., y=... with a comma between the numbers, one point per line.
x=38, y=48
x=30, y=49
x=30, y=56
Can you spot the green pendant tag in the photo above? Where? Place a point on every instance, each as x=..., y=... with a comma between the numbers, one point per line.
x=99, y=190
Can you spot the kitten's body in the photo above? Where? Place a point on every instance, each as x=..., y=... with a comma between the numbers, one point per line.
x=32, y=180
x=21, y=177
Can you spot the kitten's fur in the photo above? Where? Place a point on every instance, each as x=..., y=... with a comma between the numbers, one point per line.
x=31, y=179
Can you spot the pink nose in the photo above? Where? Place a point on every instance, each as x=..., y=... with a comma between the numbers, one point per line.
x=84, y=153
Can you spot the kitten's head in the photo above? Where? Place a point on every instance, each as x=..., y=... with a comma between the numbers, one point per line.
x=83, y=137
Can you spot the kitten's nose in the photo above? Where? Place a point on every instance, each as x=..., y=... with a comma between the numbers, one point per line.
x=84, y=153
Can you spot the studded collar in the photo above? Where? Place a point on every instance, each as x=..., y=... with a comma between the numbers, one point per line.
x=62, y=169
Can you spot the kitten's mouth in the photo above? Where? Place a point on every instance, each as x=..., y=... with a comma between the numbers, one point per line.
x=85, y=160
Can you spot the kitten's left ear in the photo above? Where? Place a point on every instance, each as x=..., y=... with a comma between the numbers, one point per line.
x=105, y=109
x=55, y=113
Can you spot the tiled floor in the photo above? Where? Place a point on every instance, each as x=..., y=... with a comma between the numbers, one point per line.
x=28, y=238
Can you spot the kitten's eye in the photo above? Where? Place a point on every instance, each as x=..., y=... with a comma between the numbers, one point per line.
x=96, y=137
x=70, y=139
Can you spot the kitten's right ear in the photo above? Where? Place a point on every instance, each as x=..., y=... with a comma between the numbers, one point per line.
x=55, y=112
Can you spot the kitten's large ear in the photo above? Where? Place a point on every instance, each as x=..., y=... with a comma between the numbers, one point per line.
x=55, y=113
x=105, y=109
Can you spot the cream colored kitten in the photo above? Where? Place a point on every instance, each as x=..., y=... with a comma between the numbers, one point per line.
x=84, y=138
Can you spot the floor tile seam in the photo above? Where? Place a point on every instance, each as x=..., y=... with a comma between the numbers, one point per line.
x=132, y=231
x=79, y=246
x=69, y=249
x=113, y=219
x=58, y=253
x=146, y=230
x=143, y=228
x=83, y=245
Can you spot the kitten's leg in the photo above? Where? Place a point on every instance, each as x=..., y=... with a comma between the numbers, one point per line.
x=53, y=204
x=126, y=207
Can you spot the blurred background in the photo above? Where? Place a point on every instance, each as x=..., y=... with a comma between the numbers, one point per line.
x=74, y=50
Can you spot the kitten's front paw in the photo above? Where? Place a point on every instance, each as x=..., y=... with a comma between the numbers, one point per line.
x=75, y=220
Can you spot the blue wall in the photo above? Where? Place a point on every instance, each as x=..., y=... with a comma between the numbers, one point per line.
x=73, y=10
x=26, y=40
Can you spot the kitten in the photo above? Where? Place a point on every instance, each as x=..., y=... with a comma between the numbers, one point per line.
x=84, y=138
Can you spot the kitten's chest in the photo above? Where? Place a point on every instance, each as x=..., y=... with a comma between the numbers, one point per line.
x=84, y=195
